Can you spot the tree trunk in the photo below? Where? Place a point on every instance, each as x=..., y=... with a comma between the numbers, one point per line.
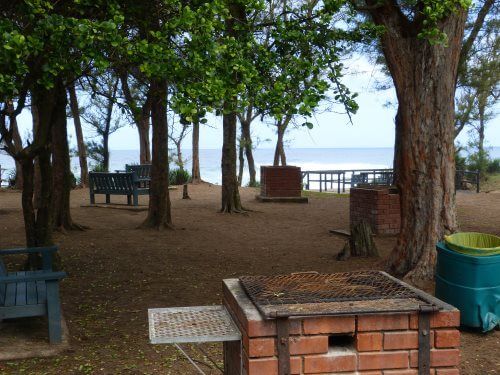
x=144, y=145
x=62, y=180
x=180, y=162
x=159, y=215
x=195, y=172
x=82, y=151
x=279, y=152
x=360, y=243
x=248, y=145
x=241, y=160
x=18, y=144
x=37, y=213
x=141, y=118
x=424, y=78
x=37, y=178
x=230, y=194
x=480, y=144
x=105, y=151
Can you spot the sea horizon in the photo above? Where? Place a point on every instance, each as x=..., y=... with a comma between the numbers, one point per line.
x=338, y=158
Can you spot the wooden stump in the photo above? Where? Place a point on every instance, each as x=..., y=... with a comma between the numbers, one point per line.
x=185, y=194
x=360, y=243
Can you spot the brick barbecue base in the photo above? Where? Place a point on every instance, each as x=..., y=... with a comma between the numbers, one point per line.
x=383, y=344
x=280, y=182
x=378, y=206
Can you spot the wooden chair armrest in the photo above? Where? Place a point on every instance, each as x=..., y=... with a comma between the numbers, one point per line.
x=42, y=276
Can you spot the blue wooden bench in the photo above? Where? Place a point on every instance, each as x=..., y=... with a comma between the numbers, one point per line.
x=32, y=293
x=116, y=184
x=142, y=171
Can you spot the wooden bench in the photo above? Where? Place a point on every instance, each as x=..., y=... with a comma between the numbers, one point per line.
x=142, y=171
x=32, y=293
x=116, y=184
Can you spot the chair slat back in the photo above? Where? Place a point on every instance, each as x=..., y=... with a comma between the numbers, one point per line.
x=111, y=182
x=142, y=171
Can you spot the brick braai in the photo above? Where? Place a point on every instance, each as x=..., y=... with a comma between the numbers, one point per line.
x=376, y=344
x=280, y=181
x=378, y=205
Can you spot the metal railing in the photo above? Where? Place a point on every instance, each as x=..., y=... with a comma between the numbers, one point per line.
x=462, y=178
x=331, y=180
x=337, y=180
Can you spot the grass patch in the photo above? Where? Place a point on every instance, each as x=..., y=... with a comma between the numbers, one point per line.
x=317, y=194
x=492, y=182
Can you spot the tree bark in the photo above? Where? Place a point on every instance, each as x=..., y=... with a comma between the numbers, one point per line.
x=424, y=78
x=241, y=160
x=141, y=118
x=37, y=176
x=180, y=162
x=279, y=152
x=195, y=171
x=230, y=195
x=159, y=215
x=61, y=162
x=82, y=151
x=248, y=146
x=144, y=144
x=18, y=144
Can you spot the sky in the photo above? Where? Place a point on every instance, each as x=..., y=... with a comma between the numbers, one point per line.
x=372, y=126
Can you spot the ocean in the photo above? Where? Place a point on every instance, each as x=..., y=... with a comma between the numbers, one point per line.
x=307, y=158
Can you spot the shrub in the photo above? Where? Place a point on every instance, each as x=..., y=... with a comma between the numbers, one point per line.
x=493, y=166
x=97, y=168
x=178, y=176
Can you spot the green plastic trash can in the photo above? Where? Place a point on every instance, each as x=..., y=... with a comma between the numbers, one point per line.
x=471, y=284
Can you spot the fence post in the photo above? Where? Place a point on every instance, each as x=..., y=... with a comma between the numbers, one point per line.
x=343, y=182
x=477, y=182
x=320, y=183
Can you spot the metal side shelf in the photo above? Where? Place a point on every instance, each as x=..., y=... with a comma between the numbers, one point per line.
x=193, y=324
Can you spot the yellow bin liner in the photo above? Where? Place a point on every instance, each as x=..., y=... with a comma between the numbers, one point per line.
x=472, y=243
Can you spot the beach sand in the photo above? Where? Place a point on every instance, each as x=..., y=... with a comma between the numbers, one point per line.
x=116, y=272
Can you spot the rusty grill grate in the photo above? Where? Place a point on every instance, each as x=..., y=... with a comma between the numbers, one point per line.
x=315, y=293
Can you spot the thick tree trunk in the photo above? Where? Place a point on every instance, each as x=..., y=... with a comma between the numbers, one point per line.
x=195, y=171
x=230, y=194
x=82, y=151
x=159, y=215
x=424, y=77
x=61, y=162
x=38, y=214
x=248, y=145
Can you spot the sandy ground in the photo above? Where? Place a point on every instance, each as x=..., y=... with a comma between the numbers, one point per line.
x=116, y=272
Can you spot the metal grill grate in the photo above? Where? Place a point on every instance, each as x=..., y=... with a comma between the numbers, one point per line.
x=191, y=324
x=310, y=293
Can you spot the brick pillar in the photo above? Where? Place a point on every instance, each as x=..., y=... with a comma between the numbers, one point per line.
x=280, y=181
x=378, y=206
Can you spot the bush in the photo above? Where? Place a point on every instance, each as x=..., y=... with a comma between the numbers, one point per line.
x=97, y=168
x=493, y=166
x=178, y=176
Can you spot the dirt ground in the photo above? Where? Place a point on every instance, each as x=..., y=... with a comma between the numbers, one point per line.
x=116, y=272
